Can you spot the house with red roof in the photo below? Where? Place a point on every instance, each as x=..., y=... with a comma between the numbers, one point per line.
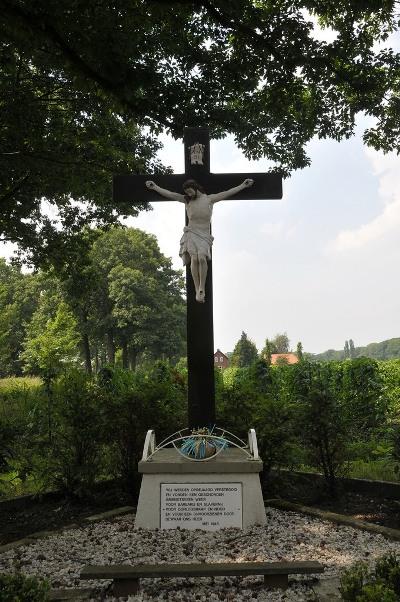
x=284, y=358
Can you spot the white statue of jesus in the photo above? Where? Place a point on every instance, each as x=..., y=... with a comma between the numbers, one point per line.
x=196, y=241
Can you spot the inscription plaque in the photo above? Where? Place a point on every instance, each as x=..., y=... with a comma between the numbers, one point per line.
x=207, y=506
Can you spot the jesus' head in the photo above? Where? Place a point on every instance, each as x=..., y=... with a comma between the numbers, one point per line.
x=191, y=189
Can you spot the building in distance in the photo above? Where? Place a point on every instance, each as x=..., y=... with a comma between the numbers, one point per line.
x=221, y=360
x=284, y=358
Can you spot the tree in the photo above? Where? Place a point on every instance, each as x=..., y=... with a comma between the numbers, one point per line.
x=77, y=276
x=61, y=142
x=19, y=295
x=52, y=341
x=363, y=395
x=346, y=350
x=267, y=352
x=51, y=345
x=76, y=78
x=299, y=351
x=137, y=302
x=352, y=351
x=281, y=343
x=245, y=352
x=322, y=422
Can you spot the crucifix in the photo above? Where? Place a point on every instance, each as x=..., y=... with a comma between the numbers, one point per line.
x=199, y=184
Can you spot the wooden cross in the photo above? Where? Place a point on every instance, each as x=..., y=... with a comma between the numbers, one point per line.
x=200, y=334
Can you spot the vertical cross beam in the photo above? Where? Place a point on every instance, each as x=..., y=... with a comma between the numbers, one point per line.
x=200, y=325
x=200, y=336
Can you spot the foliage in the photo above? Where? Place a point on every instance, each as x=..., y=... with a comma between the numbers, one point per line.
x=382, y=584
x=352, y=581
x=245, y=352
x=390, y=374
x=62, y=141
x=389, y=349
x=19, y=588
x=20, y=400
x=118, y=291
x=134, y=403
x=299, y=351
x=137, y=297
x=360, y=386
x=237, y=401
x=325, y=427
x=26, y=382
x=97, y=425
x=246, y=398
x=276, y=433
x=279, y=344
x=76, y=79
x=276, y=83
x=267, y=352
x=72, y=460
x=18, y=301
x=375, y=470
x=51, y=342
x=332, y=416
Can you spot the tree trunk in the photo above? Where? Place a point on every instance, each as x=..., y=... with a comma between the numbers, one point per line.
x=125, y=359
x=133, y=355
x=85, y=341
x=110, y=348
x=96, y=360
x=86, y=353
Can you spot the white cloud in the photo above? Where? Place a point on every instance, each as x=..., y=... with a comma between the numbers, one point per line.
x=386, y=168
x=385, y=223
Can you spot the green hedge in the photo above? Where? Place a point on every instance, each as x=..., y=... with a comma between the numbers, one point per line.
x=19, y=588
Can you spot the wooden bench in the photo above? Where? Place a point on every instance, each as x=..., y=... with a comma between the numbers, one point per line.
x=126, y=578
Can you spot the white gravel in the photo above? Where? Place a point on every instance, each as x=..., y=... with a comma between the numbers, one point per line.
x=287, y=536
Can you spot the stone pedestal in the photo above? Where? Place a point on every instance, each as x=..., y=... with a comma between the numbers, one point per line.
x=222, y=492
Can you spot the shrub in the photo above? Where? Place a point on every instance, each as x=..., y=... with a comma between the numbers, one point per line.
x=77, y=442
x=237, y=401
x=275, y=433
x=71, y=458
x=353, y=580
x=381, y=584
x=362, y=390
x=135, y=402
x=20, y=402
x=18, y=588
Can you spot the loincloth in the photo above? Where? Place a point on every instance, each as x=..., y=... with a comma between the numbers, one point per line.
x=195, y=243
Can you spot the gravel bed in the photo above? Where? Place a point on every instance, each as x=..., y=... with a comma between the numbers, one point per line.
x=287, y=536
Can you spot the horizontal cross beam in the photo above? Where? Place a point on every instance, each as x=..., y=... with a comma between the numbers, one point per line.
x=133, y=188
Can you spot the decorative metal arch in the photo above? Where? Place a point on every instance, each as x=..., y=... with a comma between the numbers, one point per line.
x=177, y=439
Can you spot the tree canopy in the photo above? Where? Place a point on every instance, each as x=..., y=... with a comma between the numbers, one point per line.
x=245, y=352
x=119, y=300
x=384, y=350
x=279, y=344
x=79, y=78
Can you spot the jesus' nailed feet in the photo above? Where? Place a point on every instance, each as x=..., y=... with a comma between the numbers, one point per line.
x=200, y=296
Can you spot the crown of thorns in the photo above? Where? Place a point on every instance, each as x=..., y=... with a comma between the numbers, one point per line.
x=192, y=184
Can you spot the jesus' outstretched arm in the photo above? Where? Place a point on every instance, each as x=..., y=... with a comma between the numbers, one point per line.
x=168, y=194
x=226, y=194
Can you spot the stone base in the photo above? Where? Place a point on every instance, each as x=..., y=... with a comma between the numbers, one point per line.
x=229, y=467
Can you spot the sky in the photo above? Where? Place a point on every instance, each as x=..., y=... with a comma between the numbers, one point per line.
x=322, y=264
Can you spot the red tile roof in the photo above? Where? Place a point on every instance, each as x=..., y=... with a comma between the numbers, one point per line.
x=289, y=358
